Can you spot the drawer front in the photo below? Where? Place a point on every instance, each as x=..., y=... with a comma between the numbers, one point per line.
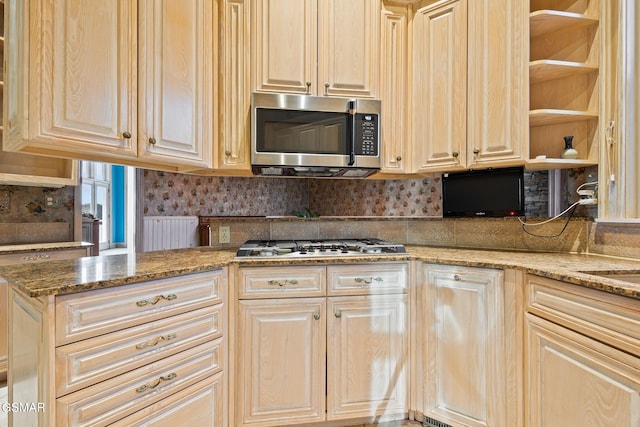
x=281, y=282
x=201, y=405
x=362, y=279
x=114, y=399
x=88, y=314
x=90, y=361
x=612, y=319
x=40, y=256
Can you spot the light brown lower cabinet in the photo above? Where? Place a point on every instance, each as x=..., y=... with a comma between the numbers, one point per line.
x=582, y=357
x=339, y=357
x=150, y=353
x=468, y=338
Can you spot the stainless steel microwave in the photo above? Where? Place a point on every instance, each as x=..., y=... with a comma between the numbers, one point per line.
x=300, y=135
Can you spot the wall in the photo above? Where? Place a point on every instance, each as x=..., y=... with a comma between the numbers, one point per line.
x=171, y=194
x=25, y=218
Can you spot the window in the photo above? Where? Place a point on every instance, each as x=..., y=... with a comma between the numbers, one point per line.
x=96, y=196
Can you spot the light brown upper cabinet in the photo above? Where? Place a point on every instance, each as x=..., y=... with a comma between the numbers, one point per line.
x=317, y=47
x=564, y=79
x=469, y=84
x=110, y=82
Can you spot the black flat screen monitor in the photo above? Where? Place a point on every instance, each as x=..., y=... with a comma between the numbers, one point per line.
x=483, y=193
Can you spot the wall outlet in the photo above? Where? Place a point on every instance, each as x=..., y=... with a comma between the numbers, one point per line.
x=50, y=201
x=224, y=234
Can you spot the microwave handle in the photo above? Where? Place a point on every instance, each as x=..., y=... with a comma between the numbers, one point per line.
x=351, y=147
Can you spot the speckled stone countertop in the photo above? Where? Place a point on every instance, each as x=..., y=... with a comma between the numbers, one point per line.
x=38, y=247
x=63, y=277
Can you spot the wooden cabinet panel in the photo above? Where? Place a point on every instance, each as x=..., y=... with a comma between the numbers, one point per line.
x=439, y=89
x=89, y=361
x=176, y=69
x=200, y=405
x=573, y=380
x=80, y=316
x=367, y=356
x=285, y=45
x=79, y=95
x=464, y=351
x=111, y=400
x=497, y=83
x=281, y=375
x=348, y=48
x=234, y=98
x=281, y=282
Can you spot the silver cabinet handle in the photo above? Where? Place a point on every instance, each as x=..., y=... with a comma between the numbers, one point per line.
x=283, y=282
x=35, y=257
x=326, y=89
x=316, y=316
x=308, y=88
x=457, y=277
x=156, y=383
x=338, y=314
x=155, y=300
x=154, y=342
x=368, y=280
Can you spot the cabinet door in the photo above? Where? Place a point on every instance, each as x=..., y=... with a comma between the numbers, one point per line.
x=79, y=95
x=572, y=380
x=176, y=81
x=464, y=357
x=285, y=45
x=348, y=48
x=439, y=87
x=367, y=356
x=497, y=121
x=394, y=89
x=281, y=372
x=234, y=98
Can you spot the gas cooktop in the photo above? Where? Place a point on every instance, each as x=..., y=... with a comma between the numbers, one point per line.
x=310, y=248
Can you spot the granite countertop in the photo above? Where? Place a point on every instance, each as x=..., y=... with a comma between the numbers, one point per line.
x=39, y=247
x=63, y=277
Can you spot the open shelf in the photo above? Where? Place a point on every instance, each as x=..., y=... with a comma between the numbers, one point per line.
x=545, y=164
x=548, y=21
x=544, y=70
x=544, y=117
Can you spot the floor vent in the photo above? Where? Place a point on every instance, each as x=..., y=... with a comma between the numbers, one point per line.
x=430, y=422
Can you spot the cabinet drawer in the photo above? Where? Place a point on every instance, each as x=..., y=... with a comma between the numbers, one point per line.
x=609, y=318
x=200, y=405
x=360, y=279
x=90, y=361
x=40, y=256
x=281, y=282
x=119, y=397
x=88, y=314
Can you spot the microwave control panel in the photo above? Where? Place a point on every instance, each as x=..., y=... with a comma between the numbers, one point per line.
x=367, y=137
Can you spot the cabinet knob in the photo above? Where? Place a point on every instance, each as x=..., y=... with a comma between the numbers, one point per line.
x=316, y=316
x=227, y=153
x=455, y=154
x=308, y=88
x=457, y=277
x=126, y=135
x=338, y=314
x=398, y=158
x=326, y=89
x=152, y=141
x=476, y=150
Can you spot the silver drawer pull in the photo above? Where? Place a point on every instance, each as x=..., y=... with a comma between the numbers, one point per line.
x=156, y=300
x=283, y=282
x=154, y=342
x=35, y=257
x=368, y=280
x=156, y=383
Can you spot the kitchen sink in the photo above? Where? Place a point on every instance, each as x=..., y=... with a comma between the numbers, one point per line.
x=625, y=277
